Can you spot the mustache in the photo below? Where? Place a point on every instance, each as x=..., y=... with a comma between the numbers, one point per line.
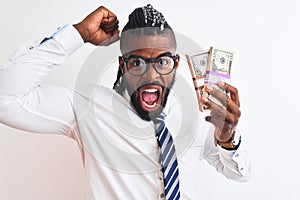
x=145, y=83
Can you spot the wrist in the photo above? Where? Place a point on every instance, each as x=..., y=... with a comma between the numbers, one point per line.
x=82, y=31
x=233, y=143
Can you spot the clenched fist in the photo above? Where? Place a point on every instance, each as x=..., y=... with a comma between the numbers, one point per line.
x=100, y=27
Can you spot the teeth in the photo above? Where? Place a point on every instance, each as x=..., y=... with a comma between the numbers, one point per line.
x=150, y=106
x=151, y=90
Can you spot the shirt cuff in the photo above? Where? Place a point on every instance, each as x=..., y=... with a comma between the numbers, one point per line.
x=69, y=38
x=239, y=156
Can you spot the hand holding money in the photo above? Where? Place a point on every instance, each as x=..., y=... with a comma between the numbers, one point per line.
x=225, y=117
x=210, y=70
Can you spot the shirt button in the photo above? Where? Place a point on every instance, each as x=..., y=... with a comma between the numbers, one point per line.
x=162, y=195
x=160, y=176
x=237, y=155
x=31, y=47
x=242, y=168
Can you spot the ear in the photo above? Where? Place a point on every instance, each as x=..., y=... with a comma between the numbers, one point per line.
x=121, y=64
x=177, y=61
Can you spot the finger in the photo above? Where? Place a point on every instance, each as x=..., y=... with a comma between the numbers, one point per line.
x=103, y=16
x=233, y=107
x=217, y=93
x=99, y=14
x=115, y=36
x=232, y=90
x=108, y=16
x=225, y=129
x=110, y=27
x=220, y=112
x=215, y=109
x=224, y=116
x=224, y=99
x=111, y=24
x=110, y=30
x=110, y=38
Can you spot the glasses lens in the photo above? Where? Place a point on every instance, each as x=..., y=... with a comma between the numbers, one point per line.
x=164, y=65
x=136, y=65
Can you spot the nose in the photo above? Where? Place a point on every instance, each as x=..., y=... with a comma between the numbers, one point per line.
x=151, y=74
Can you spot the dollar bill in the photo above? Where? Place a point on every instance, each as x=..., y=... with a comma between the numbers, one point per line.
x=198, y=66
x=218, y=70
x=209, y=68
x=219, y=66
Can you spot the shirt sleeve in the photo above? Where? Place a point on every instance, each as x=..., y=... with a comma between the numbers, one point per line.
x=25, y=103
x=233, y=164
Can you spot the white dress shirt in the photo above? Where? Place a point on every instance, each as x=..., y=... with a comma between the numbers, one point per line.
x=119, y=150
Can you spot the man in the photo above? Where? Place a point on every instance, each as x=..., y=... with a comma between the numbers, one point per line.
x=120, y=132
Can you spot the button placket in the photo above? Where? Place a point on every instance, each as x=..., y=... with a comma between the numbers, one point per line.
x=161, y=178
x=161, y=175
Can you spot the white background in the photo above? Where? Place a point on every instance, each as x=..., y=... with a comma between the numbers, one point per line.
x=263, y=33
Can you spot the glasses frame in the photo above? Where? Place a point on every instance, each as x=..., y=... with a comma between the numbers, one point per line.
x=150, y=60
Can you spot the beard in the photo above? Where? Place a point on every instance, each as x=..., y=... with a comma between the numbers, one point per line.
x=135, y=97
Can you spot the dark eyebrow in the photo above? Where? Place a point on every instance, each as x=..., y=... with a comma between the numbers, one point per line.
x=165, y=54
x=160, y=55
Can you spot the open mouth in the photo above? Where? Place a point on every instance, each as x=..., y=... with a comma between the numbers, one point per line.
x=150, y=97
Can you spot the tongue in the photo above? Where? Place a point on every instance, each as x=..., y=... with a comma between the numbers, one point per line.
x=150, y=97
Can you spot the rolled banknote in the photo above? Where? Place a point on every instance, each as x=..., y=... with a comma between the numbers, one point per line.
x=218, y=70
x=219, y=66
x=198, y=65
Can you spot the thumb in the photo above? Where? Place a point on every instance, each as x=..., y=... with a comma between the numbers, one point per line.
x=110, y=38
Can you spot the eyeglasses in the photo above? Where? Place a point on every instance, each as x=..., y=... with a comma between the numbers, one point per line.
x=163, y=64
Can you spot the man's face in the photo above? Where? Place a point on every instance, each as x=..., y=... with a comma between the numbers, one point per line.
x=150, y=90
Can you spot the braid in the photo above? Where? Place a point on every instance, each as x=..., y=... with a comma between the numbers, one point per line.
x=137, y=18
x=146, y=16
x=146, y=21
x=117, y=85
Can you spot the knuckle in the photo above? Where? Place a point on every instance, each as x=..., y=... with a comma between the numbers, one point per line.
x=218, y=111
x=235, y=90
x=239, y=113
x=227, y=99
x=224, y=113
x=235, y=120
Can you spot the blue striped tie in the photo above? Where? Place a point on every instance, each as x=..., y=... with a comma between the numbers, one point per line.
x=168, y=159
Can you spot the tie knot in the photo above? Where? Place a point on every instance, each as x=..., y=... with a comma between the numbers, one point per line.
x=159, y=119
x=159, y=122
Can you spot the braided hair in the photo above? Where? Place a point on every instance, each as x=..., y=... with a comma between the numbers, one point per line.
x=143, y=21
